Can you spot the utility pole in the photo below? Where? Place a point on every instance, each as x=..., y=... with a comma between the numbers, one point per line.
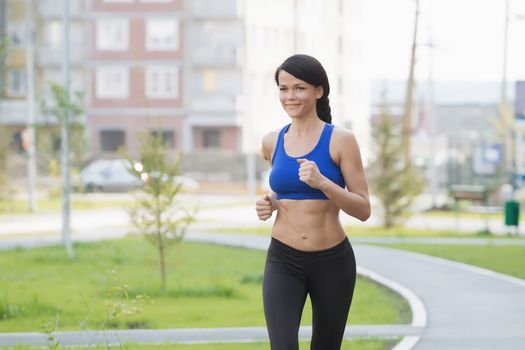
x=30, y=128
x=66, y=212
x=295, y=25
x=506, y=116
x=407, y=117
x=431, y=119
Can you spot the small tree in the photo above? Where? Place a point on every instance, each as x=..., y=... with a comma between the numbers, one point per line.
x=395, y=182
x=48, y=136
x=155, y=213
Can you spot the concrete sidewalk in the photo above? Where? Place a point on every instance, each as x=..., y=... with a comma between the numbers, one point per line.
x=233, y=213
x=192, y=335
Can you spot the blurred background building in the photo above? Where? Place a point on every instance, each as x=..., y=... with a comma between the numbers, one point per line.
x=202, y=72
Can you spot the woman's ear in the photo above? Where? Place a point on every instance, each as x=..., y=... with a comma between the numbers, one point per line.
x=319, y=92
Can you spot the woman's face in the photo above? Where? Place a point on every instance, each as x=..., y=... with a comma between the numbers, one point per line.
x=297, y=97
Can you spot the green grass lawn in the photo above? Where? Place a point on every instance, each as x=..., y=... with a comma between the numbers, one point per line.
x=361, y=344
x=509, y=260
x=208, y=286
x=461, y=214
x=376, y=231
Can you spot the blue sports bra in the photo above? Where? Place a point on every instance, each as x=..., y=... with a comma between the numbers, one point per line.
x=284, y=176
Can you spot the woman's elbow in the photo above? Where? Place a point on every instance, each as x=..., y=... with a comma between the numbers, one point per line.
x=365, y=214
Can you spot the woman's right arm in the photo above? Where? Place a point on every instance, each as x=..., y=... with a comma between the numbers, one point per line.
x=266, y=152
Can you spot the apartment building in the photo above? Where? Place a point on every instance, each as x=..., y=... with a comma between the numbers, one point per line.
x=200, y=70
x=213, y=56
x=41, y=22
x=13, y=90
x=135, y=81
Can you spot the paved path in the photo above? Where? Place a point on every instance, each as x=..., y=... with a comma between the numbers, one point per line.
x=202, y=335
x=234, y=212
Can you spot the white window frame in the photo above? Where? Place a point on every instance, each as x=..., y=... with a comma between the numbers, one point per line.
x=152, y=45
x=161, y=73
x=112, y=89
x=105, y=41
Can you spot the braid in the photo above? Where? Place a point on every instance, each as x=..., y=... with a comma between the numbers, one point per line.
x=324, y=112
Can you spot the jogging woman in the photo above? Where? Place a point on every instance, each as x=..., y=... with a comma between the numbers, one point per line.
x=316, y=172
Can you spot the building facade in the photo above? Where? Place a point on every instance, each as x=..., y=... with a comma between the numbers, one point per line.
x=135, y=69
x=199, y=71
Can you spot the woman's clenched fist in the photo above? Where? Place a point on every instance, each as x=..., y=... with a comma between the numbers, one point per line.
x=264, y=208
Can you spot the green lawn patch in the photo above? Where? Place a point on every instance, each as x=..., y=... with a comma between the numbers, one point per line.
x=509, y=260
x=208, y=286
x=367, y=231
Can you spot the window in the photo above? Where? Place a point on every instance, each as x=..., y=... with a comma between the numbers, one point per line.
x=16, y=32
x=112, y=34
x=211, y=138
x=54, y=34
x=111, y=140
x=162, y=34
x=16, y=82
x=210, y=80
x=162, y=82
x=112, y=82
x=167, y=136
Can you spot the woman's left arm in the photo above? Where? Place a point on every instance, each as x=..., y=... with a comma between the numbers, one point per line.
x=354, y=199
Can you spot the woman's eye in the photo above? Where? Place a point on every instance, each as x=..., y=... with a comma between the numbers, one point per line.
x=282, y=89
x=299, y=88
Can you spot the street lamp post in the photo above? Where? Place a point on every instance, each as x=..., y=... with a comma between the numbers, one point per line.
x=66, y=214
x=407, y=117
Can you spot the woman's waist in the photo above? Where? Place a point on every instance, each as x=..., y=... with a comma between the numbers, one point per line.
x=288, y=251
x=306, y=235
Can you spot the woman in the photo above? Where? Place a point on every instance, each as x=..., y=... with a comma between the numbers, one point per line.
x=312, y=163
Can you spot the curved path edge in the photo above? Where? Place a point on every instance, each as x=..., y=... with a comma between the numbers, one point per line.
x=417, y=308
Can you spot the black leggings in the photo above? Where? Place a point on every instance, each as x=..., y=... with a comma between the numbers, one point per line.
x=328, y=276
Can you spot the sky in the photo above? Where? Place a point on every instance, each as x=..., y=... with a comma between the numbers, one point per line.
x=467, y=34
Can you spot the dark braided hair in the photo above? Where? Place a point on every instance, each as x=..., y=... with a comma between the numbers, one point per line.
x=309, y=69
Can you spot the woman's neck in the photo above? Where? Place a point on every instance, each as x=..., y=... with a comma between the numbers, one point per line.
x=306, y=125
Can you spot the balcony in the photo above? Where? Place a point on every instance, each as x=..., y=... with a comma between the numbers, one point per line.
x=222, y=57
x=213, y=9
x=49, y=8
x=214, y=103
x=13, y=112
x=48, y=56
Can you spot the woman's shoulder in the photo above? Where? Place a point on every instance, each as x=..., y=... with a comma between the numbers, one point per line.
x=343, y=134
x=268, y=143
x=344, y=139
x=270, y=137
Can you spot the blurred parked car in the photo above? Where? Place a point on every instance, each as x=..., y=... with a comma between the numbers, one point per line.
x=113, y=175
x=109, y=175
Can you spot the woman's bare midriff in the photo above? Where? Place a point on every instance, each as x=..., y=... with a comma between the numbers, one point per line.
x=308, y=225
